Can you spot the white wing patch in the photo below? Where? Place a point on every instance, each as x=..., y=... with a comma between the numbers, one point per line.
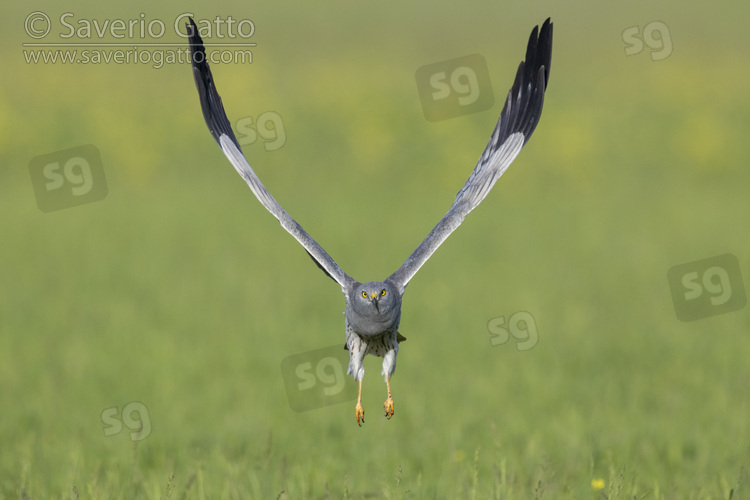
x=484, y=177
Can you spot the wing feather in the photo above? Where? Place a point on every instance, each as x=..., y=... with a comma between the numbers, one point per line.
x=221, y=130
x=518, y=119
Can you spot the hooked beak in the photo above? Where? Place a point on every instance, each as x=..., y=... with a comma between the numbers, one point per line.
x=375, y=299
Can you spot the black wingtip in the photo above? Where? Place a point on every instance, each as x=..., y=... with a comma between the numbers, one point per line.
x=523, y=106
x=545, y=44
x=211, y=105
x=194, y=39
x=538, y=53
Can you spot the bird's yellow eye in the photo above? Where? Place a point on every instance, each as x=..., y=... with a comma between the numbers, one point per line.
x=364, y=294
x=382, y=293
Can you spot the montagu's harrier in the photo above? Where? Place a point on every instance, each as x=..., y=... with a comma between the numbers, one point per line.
x=373, y=309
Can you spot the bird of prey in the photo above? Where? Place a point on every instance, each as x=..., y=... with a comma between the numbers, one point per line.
x=373, y=308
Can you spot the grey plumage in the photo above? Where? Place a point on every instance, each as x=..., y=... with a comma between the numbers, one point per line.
x=373, y=309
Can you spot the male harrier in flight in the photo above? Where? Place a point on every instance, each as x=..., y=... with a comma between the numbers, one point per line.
x=373, y=309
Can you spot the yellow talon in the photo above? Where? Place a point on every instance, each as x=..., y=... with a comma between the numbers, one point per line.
x=358, y=409
x=388, y=407
x=360, y=415
x=388, y=402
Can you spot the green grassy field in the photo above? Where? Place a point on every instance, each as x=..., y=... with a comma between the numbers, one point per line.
x=178, y=293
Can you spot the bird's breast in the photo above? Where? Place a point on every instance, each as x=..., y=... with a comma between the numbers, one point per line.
x=372, y=325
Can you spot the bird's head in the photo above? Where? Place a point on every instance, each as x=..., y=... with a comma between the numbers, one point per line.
x=375, y=298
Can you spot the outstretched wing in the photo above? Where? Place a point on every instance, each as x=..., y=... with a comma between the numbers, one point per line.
x=519, y=117
x=221, y=130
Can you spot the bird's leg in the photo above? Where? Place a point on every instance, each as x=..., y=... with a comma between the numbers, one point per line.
x=360, y=411
x=388, y=402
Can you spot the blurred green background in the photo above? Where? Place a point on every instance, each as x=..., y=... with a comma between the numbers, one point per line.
x=179, y=291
